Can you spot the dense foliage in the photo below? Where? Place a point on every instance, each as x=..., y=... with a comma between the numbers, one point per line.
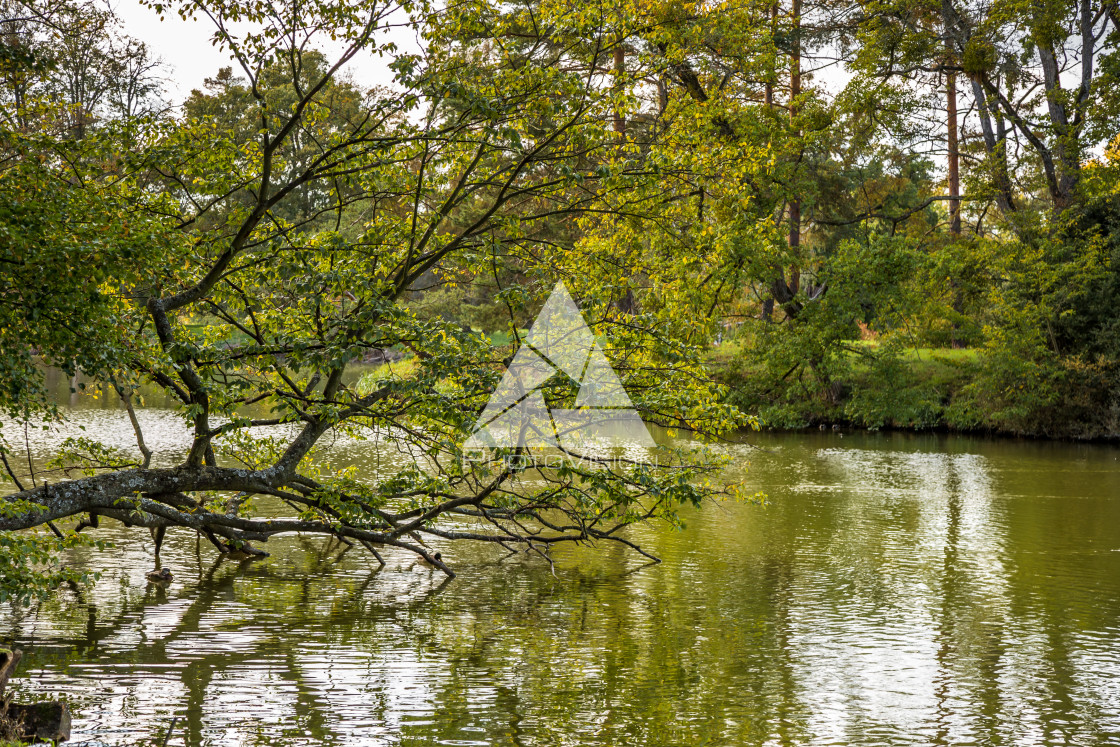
x=246, y=253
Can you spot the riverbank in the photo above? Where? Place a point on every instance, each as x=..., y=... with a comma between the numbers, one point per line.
x=928, y=389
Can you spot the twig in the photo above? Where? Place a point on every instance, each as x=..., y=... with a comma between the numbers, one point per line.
x=170, y=729
x=30, y=465
x=11, y=473
x=126, y=397
x=369, y=546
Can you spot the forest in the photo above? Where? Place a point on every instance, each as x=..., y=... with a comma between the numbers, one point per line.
x=868, y=213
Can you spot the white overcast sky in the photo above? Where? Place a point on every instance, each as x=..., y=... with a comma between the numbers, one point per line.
x=184, y=46
x=190, y=57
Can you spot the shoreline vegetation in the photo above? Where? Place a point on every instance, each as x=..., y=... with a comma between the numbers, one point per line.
x=917, y=390
x=931, y=390
x=912, y=390
x=935, y=390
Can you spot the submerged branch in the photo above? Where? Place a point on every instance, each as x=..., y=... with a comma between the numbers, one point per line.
x=159, y=498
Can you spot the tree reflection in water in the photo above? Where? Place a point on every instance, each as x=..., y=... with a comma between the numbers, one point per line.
x=897, y=590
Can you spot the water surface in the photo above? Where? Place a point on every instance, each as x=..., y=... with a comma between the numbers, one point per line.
x=898, y=590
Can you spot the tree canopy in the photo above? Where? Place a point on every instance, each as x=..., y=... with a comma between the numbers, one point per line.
x=275, y=230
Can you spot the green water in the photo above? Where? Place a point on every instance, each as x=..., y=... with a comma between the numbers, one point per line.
x=898, y=590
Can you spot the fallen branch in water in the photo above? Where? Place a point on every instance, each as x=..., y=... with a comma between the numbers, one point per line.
x=161, y=498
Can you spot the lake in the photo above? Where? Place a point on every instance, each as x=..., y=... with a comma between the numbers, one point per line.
x=898, y=589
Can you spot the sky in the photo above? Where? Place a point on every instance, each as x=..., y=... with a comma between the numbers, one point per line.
x=189, y=55
x=184, y=46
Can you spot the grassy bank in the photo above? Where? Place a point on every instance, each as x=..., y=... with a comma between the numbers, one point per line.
x=926, y=389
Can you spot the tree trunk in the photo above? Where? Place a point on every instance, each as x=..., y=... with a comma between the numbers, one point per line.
x=954, y=158
x=768, y=309
x=767, y=313
x=994, y=146
x=768, y=95
x=619, y=69
x=954, y=197
x=794, y=92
